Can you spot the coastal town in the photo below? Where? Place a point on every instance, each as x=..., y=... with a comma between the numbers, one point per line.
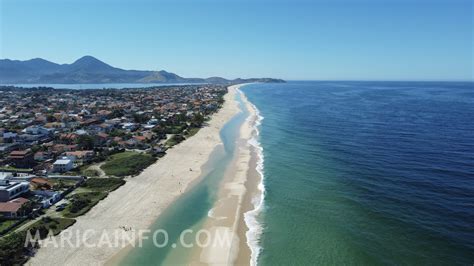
x=64, y=150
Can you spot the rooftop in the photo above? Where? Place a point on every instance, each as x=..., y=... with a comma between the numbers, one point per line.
x=62, y=161
x=12, y=205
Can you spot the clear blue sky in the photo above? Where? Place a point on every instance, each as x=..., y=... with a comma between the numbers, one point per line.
x=351, y=39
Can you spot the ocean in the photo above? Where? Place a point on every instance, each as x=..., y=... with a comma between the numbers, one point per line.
x=366, y=173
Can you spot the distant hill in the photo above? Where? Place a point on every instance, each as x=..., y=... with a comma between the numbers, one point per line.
x=89, y=69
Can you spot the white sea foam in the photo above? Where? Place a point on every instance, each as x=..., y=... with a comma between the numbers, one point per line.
x=251, y=217
x=212, y=215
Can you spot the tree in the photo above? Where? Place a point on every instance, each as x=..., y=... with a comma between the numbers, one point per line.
x=115, y=114
x=78, y=204
x=36, y=148
x=117, y=133
x=140, y=118
x=178, y=138
x=12, y=249
x=26, y=208
x=197, y=120
x=86, y=142
x=50, y=118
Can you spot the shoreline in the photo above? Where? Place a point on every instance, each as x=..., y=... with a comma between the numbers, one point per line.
x=239, y=200
x=138, y=203
x=256, y=194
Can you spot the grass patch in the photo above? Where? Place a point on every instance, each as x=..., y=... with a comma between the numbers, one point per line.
x=12, y=251
x=89, y=194
x=14, y=169
x=127, y=163
x=12, y=246
x=91, y=173
x=45, y=224
x=175, y=129
x=6, y=224
x=103, y=184
x=175, y=139
x=82, y=203
x=63, y=183
x=192, y=131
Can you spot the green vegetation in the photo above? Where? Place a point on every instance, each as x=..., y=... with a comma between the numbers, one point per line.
x=91, y=173
x=175, y=139
x=82, y=203
x=26, y=209
x=197, y=120
x=177, y=129
x=6, y=224
x=63, y=183
x=79, y=203
x=116, y=113
x=91, y=192
x=45, y=224
x=191, y=131
x=140, y=118
x=103, y=184
x=12, y=250
x=86, y=142
x=127, y=163
x=117, y=133
x=14, y=169
x=12, y=246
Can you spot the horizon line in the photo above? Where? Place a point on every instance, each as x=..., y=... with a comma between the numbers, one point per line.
x=285, y=79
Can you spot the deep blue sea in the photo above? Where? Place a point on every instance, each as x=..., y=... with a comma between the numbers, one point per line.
x=367, y=173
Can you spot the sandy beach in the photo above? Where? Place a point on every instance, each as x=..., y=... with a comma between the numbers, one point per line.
x=237, y=191
x=138, y=203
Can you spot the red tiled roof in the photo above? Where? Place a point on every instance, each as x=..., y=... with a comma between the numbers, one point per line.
x=39, y=180
x=12, y=205
x=9, y=207
x=18, y=153
x=140, y=138
x=19, y=200
x=103, y=135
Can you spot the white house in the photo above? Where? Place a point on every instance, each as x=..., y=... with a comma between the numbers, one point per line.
x=129, y=126
x=36, y=130
x=63, y=164
x=48, y=198
x=10, y=190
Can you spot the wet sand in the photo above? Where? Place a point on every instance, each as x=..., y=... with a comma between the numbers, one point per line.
x=236, y=196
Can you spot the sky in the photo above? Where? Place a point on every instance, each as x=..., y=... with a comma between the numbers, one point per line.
x=293, y=40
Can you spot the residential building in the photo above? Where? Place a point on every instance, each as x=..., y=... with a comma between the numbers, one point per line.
x=63, y=164
x=12, y=208
x=22, y=159
x=10, y=189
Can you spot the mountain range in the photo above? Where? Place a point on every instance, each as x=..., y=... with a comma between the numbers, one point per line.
x=88, y=69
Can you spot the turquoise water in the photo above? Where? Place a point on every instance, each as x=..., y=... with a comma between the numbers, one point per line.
x=190, y=210
x=367, y=173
